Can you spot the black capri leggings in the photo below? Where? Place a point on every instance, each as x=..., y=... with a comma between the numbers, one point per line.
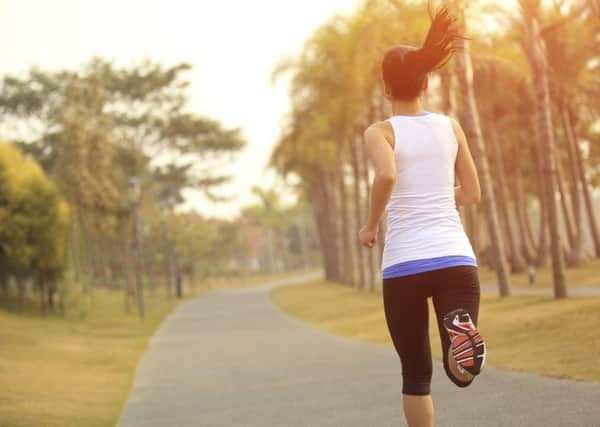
x=406, y=313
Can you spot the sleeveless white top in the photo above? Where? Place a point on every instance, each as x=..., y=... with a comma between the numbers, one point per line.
x=423, y=222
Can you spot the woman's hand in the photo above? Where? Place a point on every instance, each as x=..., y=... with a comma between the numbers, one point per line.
x=367, y=236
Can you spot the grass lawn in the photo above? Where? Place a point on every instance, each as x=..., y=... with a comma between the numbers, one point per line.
x=586, y=275
x=77, y=371
x=63, y=372
x=534, y=334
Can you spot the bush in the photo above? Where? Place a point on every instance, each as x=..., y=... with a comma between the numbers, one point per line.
x=33, y=224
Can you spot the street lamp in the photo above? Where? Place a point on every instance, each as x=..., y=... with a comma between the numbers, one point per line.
x=134, y=197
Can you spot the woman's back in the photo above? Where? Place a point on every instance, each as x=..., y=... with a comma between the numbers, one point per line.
x=423, y=221
x=427, y=254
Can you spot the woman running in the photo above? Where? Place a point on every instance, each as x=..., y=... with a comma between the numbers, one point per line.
x=427, y=253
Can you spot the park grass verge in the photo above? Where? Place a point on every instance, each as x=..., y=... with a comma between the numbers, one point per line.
x=582, y=276
x=73, y=371
x=557, y=338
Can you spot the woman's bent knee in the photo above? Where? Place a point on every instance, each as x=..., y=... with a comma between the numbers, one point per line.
x=416, y=386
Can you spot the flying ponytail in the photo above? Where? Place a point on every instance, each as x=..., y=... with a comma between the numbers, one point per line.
x=404, y=68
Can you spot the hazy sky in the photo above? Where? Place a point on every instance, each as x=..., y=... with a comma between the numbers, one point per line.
x=233, y=45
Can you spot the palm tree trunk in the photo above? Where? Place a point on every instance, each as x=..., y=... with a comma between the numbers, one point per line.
x=576, y=256
x=371, y=278
x=564, y=204
x=331, y=230
x=536, y=56
x=360, y=255
x=542, y=241
x=448, y=100
x=516, y=258
x=587, y=195
x=318, y=207
x=464, y=70
x=347, y=274
x=520, y=204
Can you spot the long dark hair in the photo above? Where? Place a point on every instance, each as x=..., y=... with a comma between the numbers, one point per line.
x=404, y=68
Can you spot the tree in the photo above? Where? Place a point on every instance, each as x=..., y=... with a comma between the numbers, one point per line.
x=94, y=128
x=535, y=50
x=33, y=225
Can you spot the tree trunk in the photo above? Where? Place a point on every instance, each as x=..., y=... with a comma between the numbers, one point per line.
x=448, y=99
x=520, y=204
x=587, y=195
x=576, y=256
x=542, y=244
x=360, y=255
x=536, y=56
x=85, y=250
x=42, y=289
x=464, y=70
x=317, y=208
x=564, y=205
x=332, y=226
x=516, y=259
x=347, y=274
x=22, y=290
x=371, y=277
x=322, y=208
x=51, y=289
x=74, y=248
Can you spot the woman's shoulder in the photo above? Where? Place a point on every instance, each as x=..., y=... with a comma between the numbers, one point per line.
x=445, y=120
x=383, y=128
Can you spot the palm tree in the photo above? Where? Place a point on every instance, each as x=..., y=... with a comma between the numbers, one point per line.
x=535, y=51
x=464, y=71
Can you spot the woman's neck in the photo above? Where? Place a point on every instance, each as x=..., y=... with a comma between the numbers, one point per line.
x=412, y=107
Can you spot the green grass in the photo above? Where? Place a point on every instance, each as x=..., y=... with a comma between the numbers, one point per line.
x=62, y=372
x=77, y=370
x=586, y=275
x=556, y=338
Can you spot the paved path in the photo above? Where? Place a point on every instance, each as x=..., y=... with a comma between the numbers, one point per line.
x=231, y=358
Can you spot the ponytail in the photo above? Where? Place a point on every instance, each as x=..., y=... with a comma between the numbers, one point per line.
x=404, y=68
x=439, y=44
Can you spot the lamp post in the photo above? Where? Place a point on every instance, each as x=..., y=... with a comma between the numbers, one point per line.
x=134, y=196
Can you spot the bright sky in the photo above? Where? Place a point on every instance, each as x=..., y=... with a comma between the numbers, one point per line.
x=233, y=45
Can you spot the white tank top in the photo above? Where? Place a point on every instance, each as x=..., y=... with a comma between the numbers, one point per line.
x=422, y=218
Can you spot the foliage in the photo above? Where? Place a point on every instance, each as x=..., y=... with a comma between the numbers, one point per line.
x=33, y=220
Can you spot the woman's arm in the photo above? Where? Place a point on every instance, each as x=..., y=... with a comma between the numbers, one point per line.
x=379, y=141
x=469, y=190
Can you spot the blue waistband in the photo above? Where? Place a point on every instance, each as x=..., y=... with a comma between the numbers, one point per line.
x=427, y=264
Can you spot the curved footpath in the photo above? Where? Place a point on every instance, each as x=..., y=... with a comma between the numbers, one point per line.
x=231, y=358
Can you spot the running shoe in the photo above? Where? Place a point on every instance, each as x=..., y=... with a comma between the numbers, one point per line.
x=468, y=346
